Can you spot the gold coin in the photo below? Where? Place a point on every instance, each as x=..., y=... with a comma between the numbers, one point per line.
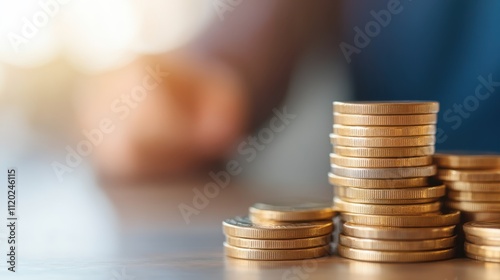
x=379, y=162
x=384, y=131
x=479, y=216
x=426, y=220
x=482, y=241
x=482, y=259
x=396, y=257
x=243, y=227
x=397, y=245
x=397, y=233
x=469, y=206
x=492, y=175
x=474, y=186
x=384, y=173
x=373, y=209
x=392, y=194
x=279, y=244
x=474, y=196
x=384, y=142
x=387, y=108
x=387, y=201
x=383, y=152
x=271, y=255
x=384, y=120
x=467, y=161
x=482, y=250
x=489, y=229
x=377, y=183
x=292, y=213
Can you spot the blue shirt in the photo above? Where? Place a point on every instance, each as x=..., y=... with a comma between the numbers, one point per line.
x=447, y=50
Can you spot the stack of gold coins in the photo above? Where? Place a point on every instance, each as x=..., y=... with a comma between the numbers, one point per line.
x=483, y=240
x=380, y=165
x=280, y=232
x=473, y=184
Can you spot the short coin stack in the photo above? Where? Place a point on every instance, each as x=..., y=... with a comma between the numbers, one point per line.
x=473, y=184
x=280, y=232
x=483, y=241
x=381, y=162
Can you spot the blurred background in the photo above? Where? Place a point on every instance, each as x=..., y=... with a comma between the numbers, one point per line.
x=47, y=50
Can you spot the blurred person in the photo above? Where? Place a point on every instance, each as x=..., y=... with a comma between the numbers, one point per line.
x=226, y=82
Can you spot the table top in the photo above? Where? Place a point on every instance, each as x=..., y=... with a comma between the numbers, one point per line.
x=153, y=241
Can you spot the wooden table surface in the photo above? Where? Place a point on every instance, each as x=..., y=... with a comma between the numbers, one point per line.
x=154, y=242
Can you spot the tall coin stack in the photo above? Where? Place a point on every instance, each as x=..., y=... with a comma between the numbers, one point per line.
x=280, y=232
x=483, y=241
x=473, y=184
x=380, y=166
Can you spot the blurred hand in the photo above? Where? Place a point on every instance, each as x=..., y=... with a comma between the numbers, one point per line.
x=189, y=118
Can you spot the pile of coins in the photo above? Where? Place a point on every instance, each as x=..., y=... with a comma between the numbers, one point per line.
x=473, y=184
x=280, y=232
x=483, y=241
x=380, y=166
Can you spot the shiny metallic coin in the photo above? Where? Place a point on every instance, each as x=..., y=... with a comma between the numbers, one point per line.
x=372, y=209
x=377, y=183
x=490, y=252
x=463, y=161
x=384, y=131
x=473, y=186
x=474, y=196
x=397, y=245
x=384, y=173
x=492, y=175
x=425, y=220
x=383, y=142
x=383, y=152
x=490, y=241
x=397, y=233
x=272, y=244
x=469, y=206
x=271, y=255
x=384, y=120
x=433, y=192
x=243, y=227
x=395, y=257
x=379, y=162
x=487, y=229
x=387, y=108
x=292, y=213
x=387, y=201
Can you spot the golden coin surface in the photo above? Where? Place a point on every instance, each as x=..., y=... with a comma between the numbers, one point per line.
x=387, y=108
x=395, y=257
x=388, y=201
x=397, y=233
x=243, y=227
x=467, y=161
x=271, y=255
x=426, y=220
x=474, y=196
x=373, y=209
x=473, y=186
x=482, y=259
x=487, y=229
x=384, y=120
x=384, y=131
x=392, y=194
x=379, y=162
x=377, y=183
x=480, y=216
x=397, y=245
x=383, y=152
x=482, y=250
x=300, y=243
x=482, y=240
x=407, y=141
x=492, y=175
x=292, y=213
x=469, y=206
x=384, y=173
